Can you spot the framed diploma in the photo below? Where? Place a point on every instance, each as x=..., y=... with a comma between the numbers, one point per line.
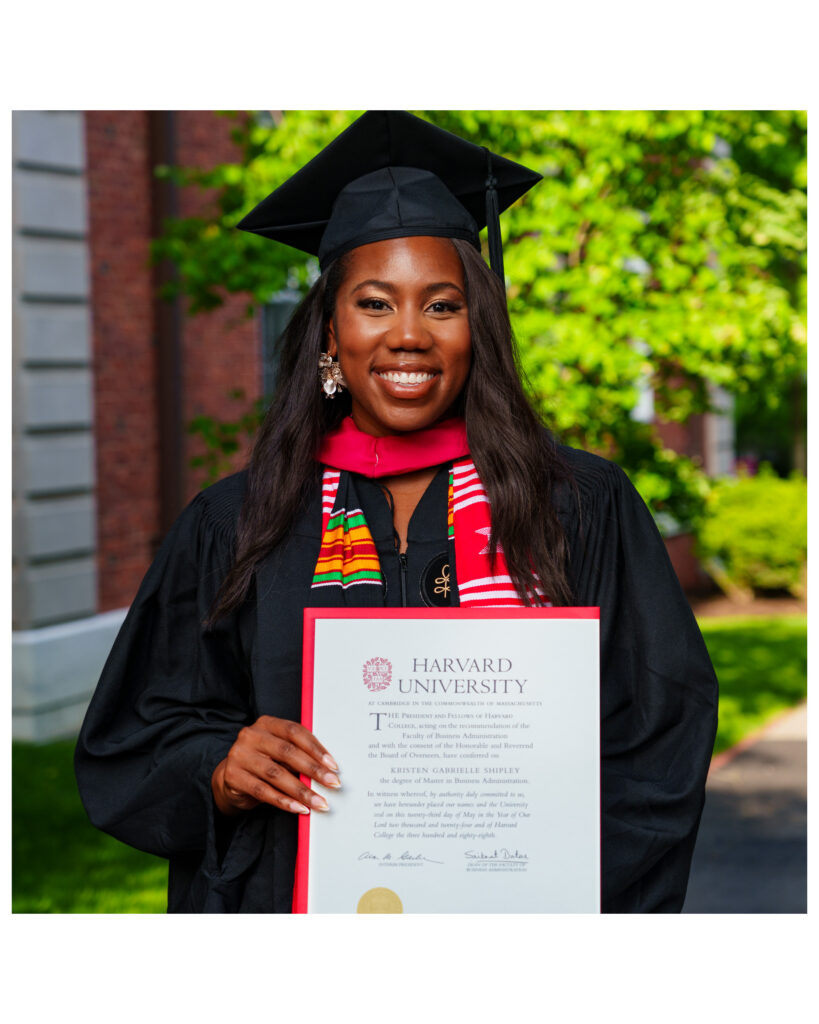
x=469, y=749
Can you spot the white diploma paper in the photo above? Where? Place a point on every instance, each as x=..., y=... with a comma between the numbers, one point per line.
x=468, y=744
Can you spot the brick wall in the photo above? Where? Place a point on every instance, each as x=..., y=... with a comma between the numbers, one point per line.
x=119, y=207
x=686, y=438
x=220, y=350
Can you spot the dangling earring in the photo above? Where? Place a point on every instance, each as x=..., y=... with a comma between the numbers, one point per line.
x=330, y=375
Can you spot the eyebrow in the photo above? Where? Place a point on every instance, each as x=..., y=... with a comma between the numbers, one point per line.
x=384, y=285
x=387, y=287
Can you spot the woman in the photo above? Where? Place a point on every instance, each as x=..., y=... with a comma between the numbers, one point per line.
x=191, y=748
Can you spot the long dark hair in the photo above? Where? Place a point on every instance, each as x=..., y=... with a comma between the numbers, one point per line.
x=516, y=458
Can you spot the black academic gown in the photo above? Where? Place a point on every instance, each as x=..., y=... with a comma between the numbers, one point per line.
x=173, y=696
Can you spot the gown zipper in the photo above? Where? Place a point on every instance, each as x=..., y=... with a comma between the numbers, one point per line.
x=402, y=559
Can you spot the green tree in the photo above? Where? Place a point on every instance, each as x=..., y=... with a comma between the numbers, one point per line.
x=663, y=249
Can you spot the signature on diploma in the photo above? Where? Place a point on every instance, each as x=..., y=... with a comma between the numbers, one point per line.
x=501, y=854
x=406, y=855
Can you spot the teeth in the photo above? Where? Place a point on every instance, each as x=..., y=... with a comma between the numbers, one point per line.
x=402, y=377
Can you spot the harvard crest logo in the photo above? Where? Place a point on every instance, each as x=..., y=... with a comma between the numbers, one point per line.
x=377, y=674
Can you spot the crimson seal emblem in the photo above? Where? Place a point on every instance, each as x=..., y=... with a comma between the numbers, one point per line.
x=377, y=674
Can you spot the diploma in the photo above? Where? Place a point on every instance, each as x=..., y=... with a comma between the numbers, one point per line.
x=469, y=755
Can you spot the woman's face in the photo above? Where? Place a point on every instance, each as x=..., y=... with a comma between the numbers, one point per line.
x=400, y=331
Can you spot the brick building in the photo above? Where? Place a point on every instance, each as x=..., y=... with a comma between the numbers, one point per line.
x=105, y=379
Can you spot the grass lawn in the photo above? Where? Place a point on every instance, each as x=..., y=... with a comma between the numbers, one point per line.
x=61, y=864
x=762, y=665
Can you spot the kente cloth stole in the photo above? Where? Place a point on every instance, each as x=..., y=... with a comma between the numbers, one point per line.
x=348, y=556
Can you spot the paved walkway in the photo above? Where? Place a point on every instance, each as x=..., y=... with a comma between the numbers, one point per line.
x=751, y=855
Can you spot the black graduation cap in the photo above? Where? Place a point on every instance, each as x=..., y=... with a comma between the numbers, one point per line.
x=390, y=175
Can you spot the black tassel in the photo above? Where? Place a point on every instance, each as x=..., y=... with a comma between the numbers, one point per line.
x=493, y=221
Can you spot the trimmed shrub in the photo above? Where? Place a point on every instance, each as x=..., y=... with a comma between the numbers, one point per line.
x=754, y=535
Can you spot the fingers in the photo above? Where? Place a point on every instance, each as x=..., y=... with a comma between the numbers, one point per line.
x=268, y=777
x=290, y=744
x=249, y=789
x=300, y=737
x=263, y=766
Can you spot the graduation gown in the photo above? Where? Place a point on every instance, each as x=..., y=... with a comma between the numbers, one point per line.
x=173, y=696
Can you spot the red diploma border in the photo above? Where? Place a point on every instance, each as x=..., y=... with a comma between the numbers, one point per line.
x=308, y=664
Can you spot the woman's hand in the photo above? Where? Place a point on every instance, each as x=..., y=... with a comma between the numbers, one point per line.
x=263, y=766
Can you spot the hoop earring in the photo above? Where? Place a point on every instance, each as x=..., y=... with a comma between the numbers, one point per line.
x=330, y=375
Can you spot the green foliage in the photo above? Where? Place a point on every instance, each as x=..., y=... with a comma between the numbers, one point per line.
x=754, y=535
x=762, y=666
x=221, y=439
x=663, y=249
x=672, y=486
x=211, y=256
x=61, y=864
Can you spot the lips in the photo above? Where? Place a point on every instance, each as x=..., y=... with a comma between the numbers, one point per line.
x=405, y=384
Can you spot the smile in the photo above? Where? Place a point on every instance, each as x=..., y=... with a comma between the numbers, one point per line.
x=402, y=377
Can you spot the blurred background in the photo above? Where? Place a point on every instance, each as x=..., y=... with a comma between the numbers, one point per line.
x=657, y=286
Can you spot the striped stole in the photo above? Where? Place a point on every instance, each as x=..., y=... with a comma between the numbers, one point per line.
x=348, y=556
x=479, y=585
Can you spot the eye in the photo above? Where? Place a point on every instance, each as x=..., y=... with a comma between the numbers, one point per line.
x=377, y=305
x=444, y=306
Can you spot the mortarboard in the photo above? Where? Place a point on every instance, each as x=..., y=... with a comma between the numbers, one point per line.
x=389, y=175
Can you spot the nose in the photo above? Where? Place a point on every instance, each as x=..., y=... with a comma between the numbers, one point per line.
x=408, y=331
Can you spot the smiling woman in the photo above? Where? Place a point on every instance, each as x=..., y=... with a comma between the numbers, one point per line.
x=400, y=331
x=426, y=479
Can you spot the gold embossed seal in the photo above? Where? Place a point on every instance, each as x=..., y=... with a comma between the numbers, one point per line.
x=380, y=901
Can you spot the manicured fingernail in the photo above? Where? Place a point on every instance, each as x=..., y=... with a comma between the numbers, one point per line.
x=331, y=780
x=330, y=762
x=299, y=808
x=319, y=803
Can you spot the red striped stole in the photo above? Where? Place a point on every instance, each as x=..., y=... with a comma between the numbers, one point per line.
x=348, y=556
x=478, y=585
